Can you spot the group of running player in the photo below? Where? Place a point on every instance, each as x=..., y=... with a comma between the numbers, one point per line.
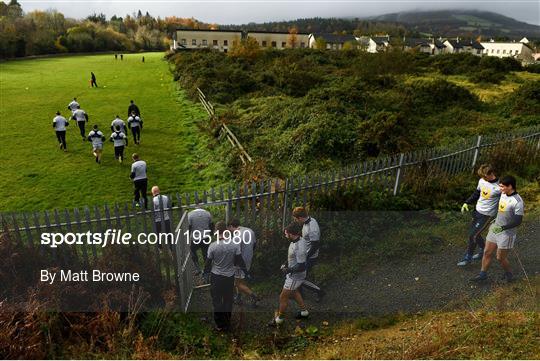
x=96, y=137
x=227, y=264
x=499, y=206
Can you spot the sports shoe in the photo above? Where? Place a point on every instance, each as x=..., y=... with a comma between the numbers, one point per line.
x=479, y=255
x=508, y=277
x=300, y=316
x=320, y=296
x=481, y=277
x=274, y=323
x=465, y=261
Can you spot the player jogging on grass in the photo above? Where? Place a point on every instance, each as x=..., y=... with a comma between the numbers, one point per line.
x=200, y=229
x=502, y=233
x=312, y=234
x=133, y=108
x=82, y=118
x=59, y=124
x=295, y=274
x=119, y=140
x=73, y=105
x=140, y=180
x=222, y=259
x=135, y=123
x=97, y=138
x=486, y=196
x=247, y=242
x=117, y=122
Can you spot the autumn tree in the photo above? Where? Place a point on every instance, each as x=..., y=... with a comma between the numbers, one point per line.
x=293, y=37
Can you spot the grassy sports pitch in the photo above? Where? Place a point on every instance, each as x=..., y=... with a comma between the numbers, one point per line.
x=36, y=174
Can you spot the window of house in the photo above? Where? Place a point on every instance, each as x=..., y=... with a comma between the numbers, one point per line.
x=225, y=42
x=492, y=51
x=498, y=51
x=183, y=41
x=225, y=50
x=214, y=42
x=302, y=45
x=478, y=51
x=504, y=51
x=283, y=44
x=205, y=42
x=193, y=41
x=274, y=44
x=264, y=43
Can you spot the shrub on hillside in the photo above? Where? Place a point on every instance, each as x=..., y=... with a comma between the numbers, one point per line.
x=525, y=101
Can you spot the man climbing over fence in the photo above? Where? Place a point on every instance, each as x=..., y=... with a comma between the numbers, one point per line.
x=200, y=233
x=223, y=258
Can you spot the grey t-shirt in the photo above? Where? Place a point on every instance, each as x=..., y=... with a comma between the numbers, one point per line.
x=139, y=168
x=311, y=233
x=509, y=208
x=200, y=220
x=222, y=254
x=79, y=115
x=60, y=123
x=247, y=245
x=117, y=122
x=96, y=138
x=297, y=254
x=490, y=193
x=157, y=207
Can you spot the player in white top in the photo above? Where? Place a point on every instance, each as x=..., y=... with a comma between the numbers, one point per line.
x=97, y=138
x=136, y=124
x=59, y=124
x=73, y=105
x=295, y=274
x=81, y=117
x=119, y=140
x=486, y=196
x=140, y=181
x=117, y=122
x=502, y=233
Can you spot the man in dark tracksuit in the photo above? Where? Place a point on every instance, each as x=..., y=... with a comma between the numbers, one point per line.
x=93, y=79
x=223, y=256
x=140, y=181
x=133, y=108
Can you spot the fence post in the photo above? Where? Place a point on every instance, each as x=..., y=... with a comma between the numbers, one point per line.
x=476, y=151
x=285, y=199
x=398, y=175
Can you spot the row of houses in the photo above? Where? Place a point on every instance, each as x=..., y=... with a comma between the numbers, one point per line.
x=223, y=40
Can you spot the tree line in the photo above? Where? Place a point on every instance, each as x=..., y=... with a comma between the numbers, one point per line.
x=50, y=32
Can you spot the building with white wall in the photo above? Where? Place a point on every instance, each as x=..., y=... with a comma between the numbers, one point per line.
x=221, y=40
x=279, y=40
x=456, y=46
x=518, y=50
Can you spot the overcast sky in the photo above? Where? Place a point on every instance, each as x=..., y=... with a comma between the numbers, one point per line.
x=244, y=11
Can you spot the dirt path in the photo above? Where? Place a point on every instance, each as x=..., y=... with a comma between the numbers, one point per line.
x=426, y=282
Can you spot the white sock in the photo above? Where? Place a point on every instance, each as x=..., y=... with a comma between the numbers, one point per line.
x=304, y=313
x=278, y=320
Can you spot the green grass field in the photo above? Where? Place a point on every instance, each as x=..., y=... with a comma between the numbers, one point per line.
x=37, y=175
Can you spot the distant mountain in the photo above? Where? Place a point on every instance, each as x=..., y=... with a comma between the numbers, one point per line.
x=461, y=22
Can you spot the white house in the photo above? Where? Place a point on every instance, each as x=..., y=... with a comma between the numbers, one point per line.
x=455, y=46
x=279, y=40
x=378, y=44
x=221, y=40
x=516, y=50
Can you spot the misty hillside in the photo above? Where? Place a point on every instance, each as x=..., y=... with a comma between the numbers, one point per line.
x=467, y=23
x=461, y=22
